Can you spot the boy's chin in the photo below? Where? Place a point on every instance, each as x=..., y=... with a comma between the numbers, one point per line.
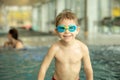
x=67, y=40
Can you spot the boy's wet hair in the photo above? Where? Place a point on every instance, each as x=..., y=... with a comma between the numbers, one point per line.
x=66, y=15
x=14, y=33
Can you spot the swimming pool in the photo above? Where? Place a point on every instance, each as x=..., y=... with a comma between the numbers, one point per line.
x=25, y=64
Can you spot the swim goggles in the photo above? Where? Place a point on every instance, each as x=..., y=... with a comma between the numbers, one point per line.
x=63, y=28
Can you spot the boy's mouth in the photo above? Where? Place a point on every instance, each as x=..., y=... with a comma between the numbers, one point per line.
x=67, y=36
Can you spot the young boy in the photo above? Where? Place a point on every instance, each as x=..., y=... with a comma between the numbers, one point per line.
x=68, y=51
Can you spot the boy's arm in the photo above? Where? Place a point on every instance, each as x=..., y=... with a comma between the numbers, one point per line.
x=87, y=64
x=46, y=62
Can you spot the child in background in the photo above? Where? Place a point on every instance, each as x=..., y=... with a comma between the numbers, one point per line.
x=13, y=41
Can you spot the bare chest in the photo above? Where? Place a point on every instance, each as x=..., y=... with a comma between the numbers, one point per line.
x=69, y=56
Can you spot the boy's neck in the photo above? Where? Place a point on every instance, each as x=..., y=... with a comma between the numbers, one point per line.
x=68, y=43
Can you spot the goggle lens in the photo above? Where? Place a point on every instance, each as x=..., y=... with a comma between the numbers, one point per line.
x=62, y=28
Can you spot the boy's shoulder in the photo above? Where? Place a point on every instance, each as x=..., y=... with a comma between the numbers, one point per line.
x=82, y=45
x=55, y=46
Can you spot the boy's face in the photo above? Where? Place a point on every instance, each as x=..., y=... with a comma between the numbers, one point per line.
x=67, y=30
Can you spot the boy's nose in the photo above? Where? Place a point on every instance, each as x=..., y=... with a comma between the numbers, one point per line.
x=66, y=31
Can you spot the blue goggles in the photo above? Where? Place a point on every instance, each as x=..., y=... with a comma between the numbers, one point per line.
x=63, y=28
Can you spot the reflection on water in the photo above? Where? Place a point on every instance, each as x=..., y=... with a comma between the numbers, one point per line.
x=25, y=64
x=106, y=62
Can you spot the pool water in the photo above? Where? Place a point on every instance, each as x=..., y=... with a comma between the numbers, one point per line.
x=25, y=64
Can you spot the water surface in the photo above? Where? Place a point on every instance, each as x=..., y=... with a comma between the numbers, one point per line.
x=25, y=64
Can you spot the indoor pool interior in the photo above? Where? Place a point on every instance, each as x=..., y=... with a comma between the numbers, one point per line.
x=25, y=64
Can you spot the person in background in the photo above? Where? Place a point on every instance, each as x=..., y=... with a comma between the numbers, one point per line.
x=69, y=53
x=13, y=40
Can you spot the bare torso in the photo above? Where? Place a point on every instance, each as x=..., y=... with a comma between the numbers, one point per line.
x=68, y=62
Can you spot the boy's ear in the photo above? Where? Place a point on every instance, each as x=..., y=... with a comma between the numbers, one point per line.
x=78, y=29
x=55, y=31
